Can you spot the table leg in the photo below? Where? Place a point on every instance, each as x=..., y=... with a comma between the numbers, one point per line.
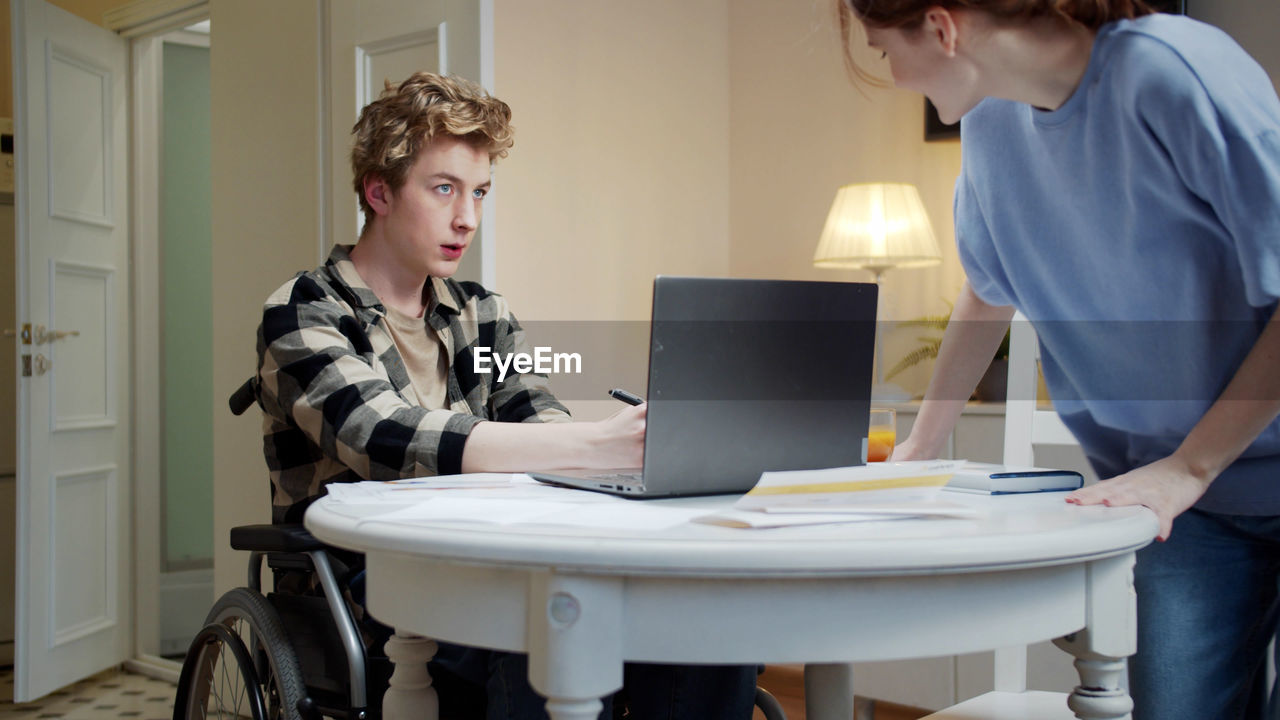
x=559, y=709
x=409, y=694
x=828, y=691
x=1109, y=637
x=575, y=642
x=1101, y=694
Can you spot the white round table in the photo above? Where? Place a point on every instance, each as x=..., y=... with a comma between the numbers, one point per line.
x=581, y=601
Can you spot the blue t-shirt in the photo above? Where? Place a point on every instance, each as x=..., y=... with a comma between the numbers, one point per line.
x=1138, y=227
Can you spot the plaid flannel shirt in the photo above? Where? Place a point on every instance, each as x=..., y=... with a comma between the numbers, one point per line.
x=338, y=403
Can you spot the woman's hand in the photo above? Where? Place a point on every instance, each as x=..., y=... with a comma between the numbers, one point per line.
x=1167, y=486
x=909, y=450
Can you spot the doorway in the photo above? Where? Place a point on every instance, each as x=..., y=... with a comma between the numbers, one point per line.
x=173, y=311
x=186, y=335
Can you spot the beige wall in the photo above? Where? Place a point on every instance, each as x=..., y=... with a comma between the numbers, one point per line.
x=1252, y=23
x=265, y=220
x=620, y=167
x=6, y=61
x=800, y=129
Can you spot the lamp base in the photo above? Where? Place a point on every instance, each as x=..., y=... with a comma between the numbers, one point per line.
x=886, y=392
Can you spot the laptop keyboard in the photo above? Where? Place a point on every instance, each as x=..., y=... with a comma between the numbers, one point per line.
x=624, y=478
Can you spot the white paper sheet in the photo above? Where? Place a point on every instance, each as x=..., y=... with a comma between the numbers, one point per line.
x=377, y=493
x=509, y=500
x=820, y=515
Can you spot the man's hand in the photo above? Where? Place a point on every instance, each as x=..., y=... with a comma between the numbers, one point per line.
x=1167, y=486
x=620, y=439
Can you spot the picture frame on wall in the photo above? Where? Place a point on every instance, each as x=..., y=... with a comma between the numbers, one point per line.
x=935, y=129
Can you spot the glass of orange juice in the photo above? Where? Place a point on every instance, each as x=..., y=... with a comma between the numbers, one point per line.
x=881, y=434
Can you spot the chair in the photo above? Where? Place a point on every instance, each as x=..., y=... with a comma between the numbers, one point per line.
x=1025, y=426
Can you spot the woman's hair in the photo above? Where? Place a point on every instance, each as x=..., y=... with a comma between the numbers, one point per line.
x=405, y=118
x=909, y=14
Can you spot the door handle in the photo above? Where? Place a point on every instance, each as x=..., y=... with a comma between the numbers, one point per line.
x=43, y=335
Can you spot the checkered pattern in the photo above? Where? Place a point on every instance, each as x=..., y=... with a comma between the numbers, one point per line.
x=109, y=695
x=338, y=403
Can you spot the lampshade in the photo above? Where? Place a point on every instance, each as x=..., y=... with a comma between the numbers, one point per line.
x=877, y=226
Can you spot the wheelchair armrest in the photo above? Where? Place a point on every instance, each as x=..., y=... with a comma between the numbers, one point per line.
x=274, y=538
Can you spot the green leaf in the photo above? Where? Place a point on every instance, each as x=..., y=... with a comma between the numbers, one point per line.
x=913, y=358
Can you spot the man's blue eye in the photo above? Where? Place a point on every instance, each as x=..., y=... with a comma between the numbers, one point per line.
x=444, y=189
x=479, y=194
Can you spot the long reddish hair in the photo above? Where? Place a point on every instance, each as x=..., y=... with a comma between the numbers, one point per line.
x=909, y=14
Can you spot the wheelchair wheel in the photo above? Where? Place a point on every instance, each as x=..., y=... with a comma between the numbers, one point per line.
x=232, y=692
x=214, y=683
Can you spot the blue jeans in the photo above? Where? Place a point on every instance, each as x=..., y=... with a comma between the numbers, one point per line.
x=650, y=692
x=1207, y=608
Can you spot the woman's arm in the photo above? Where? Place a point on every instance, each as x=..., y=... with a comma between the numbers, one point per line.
x=1250, y=402
x=972, y=336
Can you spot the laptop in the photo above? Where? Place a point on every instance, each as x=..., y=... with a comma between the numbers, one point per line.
x=747, y=376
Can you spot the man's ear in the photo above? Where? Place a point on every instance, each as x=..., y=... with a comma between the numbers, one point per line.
x=378, y=194
x=940, y=24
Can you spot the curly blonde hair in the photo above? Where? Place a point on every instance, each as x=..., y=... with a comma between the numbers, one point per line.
x=405, y=118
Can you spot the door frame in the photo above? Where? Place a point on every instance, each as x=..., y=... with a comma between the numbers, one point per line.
x=146, y=70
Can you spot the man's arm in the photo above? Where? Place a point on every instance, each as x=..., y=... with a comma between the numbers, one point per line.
x=512, y=447
x=1250, y=402
x=971, y=339
x=518, y=397
x=530, y=433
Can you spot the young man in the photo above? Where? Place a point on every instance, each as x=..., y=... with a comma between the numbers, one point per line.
x=366, y=365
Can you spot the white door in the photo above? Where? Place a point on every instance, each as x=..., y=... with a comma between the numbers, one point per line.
x=372, y=42
x=74, y=468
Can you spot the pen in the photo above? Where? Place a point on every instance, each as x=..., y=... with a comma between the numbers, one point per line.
x=626, y=397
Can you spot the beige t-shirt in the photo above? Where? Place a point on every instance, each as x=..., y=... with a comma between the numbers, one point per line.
x=420, y=349
x=417, y=344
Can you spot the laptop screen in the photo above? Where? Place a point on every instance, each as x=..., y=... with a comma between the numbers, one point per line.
x=747, y=376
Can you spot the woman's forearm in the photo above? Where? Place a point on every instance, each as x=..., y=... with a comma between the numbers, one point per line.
x=971, y=339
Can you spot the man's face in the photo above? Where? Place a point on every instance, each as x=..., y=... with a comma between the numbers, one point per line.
x=431, y=219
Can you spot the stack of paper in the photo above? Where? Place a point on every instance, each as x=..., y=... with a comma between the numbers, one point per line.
x=877, y=491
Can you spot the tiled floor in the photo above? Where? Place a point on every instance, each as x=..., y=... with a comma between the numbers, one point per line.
x=105, y=696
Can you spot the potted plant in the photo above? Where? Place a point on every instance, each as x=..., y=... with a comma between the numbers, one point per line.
x=993, y=385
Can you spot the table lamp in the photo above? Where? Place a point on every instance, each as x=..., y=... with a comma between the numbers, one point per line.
x=878, y=226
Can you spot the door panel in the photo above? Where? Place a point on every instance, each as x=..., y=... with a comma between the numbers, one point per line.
x=74, y=466
x=373, y=42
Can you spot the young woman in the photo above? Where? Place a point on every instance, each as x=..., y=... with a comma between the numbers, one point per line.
x=1120, y=185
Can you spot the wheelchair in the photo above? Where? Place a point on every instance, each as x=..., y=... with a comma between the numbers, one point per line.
x=298, y=652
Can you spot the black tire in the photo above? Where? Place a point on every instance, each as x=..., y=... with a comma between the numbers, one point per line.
x=232, y=692
x=248, y=615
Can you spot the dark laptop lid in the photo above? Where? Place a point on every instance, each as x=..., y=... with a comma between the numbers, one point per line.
x=748, y=376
